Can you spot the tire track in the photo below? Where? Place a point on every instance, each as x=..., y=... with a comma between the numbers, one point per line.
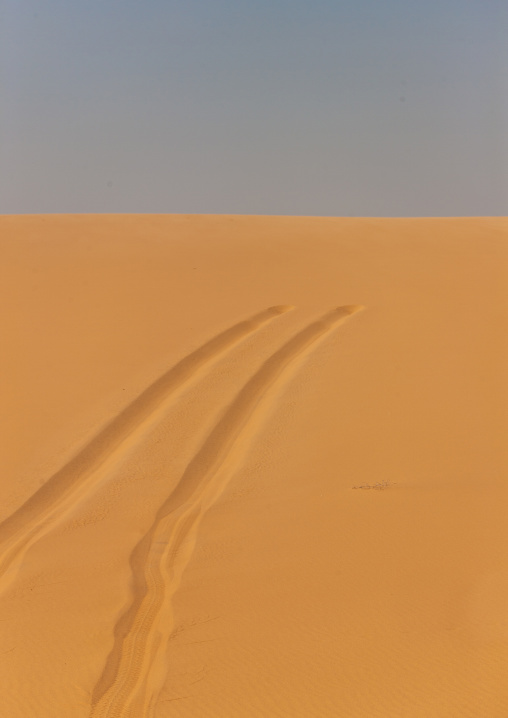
x=135, y=669
x=74, y=481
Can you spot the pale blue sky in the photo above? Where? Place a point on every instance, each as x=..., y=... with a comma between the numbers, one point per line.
x=322, y=107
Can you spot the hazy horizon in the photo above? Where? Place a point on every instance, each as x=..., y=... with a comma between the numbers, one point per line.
x=322, y=109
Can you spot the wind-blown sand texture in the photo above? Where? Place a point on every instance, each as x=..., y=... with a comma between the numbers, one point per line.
x=253, y=466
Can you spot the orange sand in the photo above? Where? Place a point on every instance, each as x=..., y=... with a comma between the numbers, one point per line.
x=253, y=466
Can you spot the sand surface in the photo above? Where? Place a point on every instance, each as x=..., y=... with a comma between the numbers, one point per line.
x=253, y=466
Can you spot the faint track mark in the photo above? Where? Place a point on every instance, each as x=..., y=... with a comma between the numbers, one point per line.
x=135, y=669
x=79, y=477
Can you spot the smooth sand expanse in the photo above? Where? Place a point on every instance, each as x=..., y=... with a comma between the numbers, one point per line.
x=253, y=466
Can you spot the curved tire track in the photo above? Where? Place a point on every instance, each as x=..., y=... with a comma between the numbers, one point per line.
x=80, y=476
x=135, y=668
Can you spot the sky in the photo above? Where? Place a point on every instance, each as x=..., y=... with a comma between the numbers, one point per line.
x=294, y=107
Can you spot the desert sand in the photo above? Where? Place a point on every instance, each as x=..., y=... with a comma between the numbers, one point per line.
x=253, y=466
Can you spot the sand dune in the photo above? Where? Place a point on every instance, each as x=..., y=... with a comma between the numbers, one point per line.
x=187, y=521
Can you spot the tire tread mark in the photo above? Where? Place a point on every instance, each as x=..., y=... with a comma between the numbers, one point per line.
x=64, y=489
x=124, y=685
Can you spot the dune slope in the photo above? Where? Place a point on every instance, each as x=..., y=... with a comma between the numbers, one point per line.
x=226, y=491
